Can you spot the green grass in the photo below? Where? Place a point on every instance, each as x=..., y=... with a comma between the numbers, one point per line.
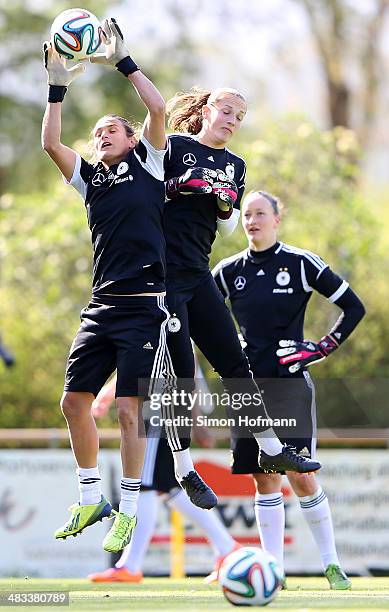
x=191, y=595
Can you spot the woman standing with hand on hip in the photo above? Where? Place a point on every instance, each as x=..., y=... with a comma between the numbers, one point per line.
x=276, y=281
x=123, y=326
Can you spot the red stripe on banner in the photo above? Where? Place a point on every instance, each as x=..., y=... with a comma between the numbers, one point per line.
x=165, y=539
x=220, y=479
x=286, y=491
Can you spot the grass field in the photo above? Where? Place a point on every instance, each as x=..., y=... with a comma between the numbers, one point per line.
x=192, y=595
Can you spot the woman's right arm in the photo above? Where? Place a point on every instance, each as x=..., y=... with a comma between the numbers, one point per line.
x=59, y=77
x=62, y=156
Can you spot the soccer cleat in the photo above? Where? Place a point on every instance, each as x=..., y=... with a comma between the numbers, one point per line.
x=337, y=578
x=116, y=574
x=84, y=516
x=287, y=460
x=120, y=533
x=214, y=575
x=284, y=586
x=199, y=493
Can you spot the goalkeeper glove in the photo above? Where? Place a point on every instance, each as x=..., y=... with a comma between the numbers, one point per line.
x=116, y=53
x=226, y=193
x=195, y=180
x=58, y=75
x=303, y=354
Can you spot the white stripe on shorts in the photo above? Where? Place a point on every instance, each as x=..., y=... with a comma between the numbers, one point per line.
x=163, y=368
x=172, y=435
x=311, y=385
x=159, y=359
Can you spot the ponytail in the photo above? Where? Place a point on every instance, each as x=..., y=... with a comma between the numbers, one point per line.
x=184, y=110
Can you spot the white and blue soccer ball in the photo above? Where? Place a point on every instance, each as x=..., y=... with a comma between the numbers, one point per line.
x=250, y=577
x=76, y=34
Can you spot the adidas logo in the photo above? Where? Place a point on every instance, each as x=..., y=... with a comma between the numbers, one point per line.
x=74, y=523
x=261, y=273
x=148, y=345
x=211, y=158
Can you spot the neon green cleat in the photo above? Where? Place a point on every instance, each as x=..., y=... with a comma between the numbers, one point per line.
x=337, y=578
x=83, y=516
x=120, y=533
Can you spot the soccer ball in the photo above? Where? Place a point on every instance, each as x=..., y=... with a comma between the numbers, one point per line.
x=250, y=577
x=76, y=34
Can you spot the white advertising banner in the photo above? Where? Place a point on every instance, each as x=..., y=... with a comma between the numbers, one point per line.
x=36, y=489
x=37, y=486
x=357, y=485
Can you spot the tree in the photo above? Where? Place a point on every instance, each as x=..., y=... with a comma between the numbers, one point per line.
x=347, y=39
x=46, y=252
x=23, y=28
x=45, y=283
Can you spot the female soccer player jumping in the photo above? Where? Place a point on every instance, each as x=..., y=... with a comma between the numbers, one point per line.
x=269, y=286
x=159, y=483
x=123, y=326
x=204, y=186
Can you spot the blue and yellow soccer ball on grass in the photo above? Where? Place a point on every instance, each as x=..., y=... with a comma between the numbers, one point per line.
x=250, y=577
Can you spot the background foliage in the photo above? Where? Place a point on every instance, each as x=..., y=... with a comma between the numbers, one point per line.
x=45, y=253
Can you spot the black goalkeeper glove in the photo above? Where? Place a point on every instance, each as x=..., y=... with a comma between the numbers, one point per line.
x=226, y=193
x=303, y=354
x=194, y=180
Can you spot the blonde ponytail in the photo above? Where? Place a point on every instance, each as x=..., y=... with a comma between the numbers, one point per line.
x=184, y=110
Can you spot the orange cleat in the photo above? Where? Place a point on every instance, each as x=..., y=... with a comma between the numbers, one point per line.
x=116, y=574
x=213, y=576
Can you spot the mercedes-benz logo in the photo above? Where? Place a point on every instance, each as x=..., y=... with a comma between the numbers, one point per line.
x=98, y=179
x=189, y=159
x=240, y=283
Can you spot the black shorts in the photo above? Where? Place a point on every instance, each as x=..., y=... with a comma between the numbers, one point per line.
x=158, y=467
x=205, y=318
x=284, y=398
x=123, y=333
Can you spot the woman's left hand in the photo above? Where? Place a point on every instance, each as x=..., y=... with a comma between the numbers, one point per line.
x=115, y=49
x=226, y=192
x=298, y=355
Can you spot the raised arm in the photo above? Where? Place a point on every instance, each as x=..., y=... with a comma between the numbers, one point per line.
x=58, y=78
x=154, y=124
x=117, y=55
